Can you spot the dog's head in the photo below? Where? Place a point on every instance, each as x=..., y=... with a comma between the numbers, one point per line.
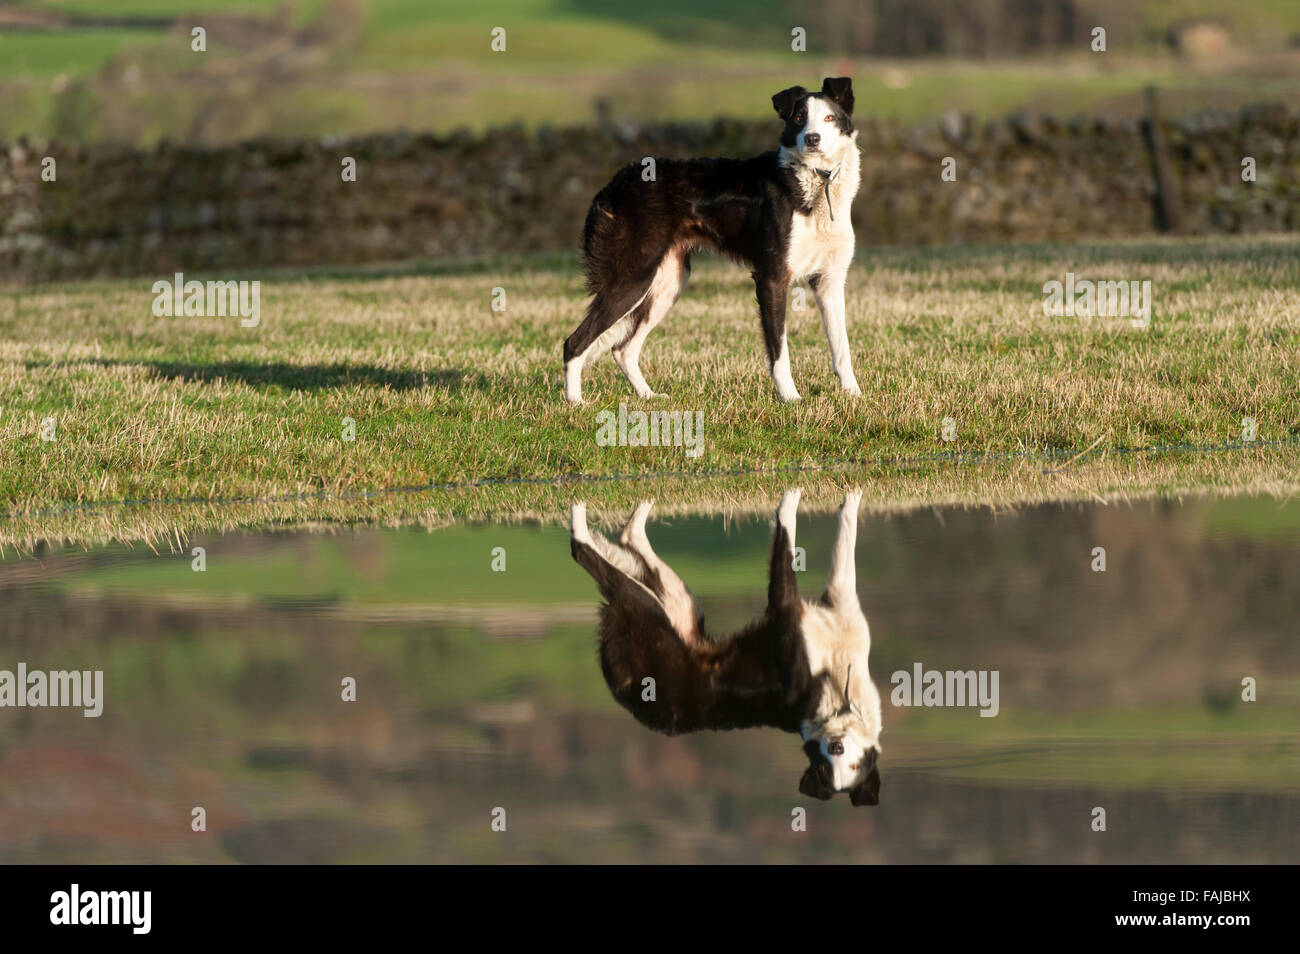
x=817, y=123
x=843, y=749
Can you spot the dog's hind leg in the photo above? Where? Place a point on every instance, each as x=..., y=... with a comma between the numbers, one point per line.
x=665, y=289
x=678, y=601
x=609, y=323
x=626, y=563
x=608, y=566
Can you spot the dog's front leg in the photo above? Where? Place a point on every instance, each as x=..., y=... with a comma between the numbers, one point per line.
x=772, y=289
x=828, y=289
x=782, y=585
x=678, y=602
x=786, y=512
x=842, y=587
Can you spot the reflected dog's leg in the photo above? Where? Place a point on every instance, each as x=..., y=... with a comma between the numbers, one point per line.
x=782, y=585
x=625, y=562
x=786, y=511
x=678, y=601
x=842, y=585
x=621, y=576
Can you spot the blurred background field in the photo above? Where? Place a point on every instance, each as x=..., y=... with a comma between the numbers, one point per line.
x=81, y=71
x=172, y=159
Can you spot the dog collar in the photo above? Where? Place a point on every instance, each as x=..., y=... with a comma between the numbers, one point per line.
x=827, y=176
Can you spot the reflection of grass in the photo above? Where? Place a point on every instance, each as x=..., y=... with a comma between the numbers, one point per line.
x=213, y=674
x=445, y=568
x=412, y=568
x=1259, y=519
x=1186, y=761
x=1013, y=724
x=460, y=669
x=448, y=567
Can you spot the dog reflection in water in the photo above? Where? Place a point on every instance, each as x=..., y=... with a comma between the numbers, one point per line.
x=801, y=667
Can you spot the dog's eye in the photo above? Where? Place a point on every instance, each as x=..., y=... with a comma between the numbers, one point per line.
x=829, y=119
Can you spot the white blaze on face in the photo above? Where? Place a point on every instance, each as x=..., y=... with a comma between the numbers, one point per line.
x=849, y=767
x=846, y=769
x=820, y=119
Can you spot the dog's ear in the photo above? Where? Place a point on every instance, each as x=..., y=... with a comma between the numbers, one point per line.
x=785, y=101
x=812, y=785
x=867, y=792
x=839, y=90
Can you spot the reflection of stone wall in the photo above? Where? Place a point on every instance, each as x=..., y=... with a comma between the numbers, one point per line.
x=263, y=203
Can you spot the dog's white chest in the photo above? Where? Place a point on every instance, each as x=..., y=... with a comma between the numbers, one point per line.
x=818, y=245
x=834, y=638
x=821, y=241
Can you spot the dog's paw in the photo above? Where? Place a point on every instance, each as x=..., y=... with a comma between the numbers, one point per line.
x=853, y=391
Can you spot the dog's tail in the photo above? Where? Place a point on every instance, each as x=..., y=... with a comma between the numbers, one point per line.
x=617, y=291
x=624, y=242
x=625, y=234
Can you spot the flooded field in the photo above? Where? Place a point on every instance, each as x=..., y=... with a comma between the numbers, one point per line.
x=1163, y=688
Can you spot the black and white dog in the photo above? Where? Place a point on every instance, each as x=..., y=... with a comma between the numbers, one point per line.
x=801, y=667
x=784, y=213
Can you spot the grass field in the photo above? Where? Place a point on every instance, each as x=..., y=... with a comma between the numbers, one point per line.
x=446, y=392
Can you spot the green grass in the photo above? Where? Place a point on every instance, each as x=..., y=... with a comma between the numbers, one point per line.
x=44, y=55
x=418, y=65
x=445, y=391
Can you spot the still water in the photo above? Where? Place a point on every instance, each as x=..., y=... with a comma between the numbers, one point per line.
x=478, y=689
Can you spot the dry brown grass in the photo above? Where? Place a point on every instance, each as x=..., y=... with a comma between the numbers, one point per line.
x=446, y=391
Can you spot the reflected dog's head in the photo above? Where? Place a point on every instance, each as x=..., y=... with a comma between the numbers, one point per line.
x=817, y=124
x=843, y=749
